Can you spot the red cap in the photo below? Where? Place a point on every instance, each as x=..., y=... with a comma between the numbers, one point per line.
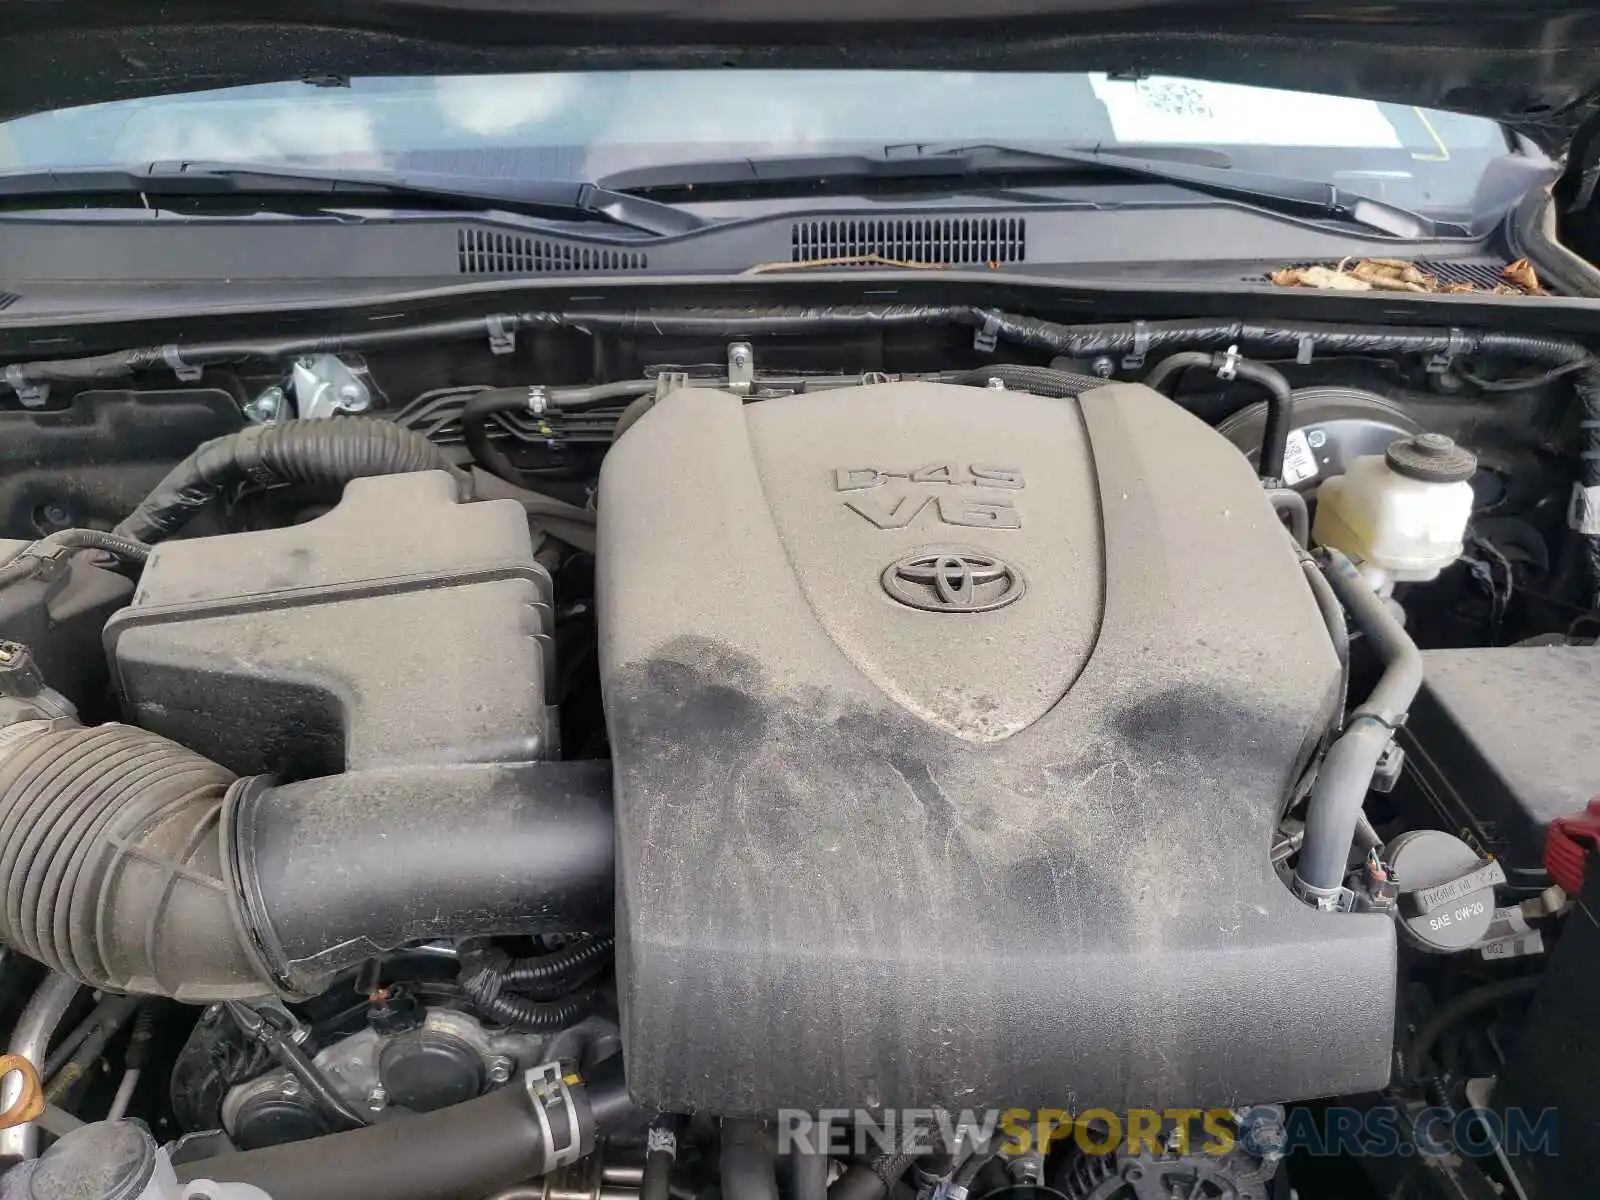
x=1567, y=846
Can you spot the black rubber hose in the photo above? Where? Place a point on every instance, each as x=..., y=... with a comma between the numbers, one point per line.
x=465, y=1150
x=1461, y=1006
x=1338, y=630
x=128, y=862
x=748, y=1167
x=1280, y=399
x=330, y=871
x=328, y=453
x=661, y=1155
x=551, y=975
x=481, y=405
x=808, y=1170
x=1287, y=502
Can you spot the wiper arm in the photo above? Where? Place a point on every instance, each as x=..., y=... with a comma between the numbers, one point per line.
x=201, y=180
x=977, y=162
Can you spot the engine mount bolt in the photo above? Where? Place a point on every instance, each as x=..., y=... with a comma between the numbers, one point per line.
x=500, y=1069
x=377, y=1098
x=290, y=1087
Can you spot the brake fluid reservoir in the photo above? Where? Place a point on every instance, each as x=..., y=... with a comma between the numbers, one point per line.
x=1401, y=514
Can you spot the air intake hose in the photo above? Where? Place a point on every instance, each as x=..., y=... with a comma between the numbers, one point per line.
x=331, y=452
x=135, y=865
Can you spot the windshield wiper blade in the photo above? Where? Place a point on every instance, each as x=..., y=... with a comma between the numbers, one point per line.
x=975, y=163
x=191, y=181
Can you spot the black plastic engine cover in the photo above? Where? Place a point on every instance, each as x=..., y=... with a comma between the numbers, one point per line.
x=1007, y=847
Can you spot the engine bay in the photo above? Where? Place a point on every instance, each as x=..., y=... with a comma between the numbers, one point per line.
x=564, y=747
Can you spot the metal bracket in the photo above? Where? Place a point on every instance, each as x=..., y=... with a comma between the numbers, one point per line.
x=325, y=385
x=502, y=330
x=741, y=368
x=31, y=394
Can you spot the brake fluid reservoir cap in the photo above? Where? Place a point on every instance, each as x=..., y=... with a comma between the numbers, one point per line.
x=1431, y=458
x=1446, y=892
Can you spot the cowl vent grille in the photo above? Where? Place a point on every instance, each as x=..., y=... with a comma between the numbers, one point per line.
x=486, y=252
x=953, y=240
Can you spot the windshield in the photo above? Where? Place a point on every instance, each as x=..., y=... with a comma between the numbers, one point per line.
x=585, y=125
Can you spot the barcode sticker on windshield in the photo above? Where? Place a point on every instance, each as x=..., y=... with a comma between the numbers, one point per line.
x=1299, y=461
x=1191, y=112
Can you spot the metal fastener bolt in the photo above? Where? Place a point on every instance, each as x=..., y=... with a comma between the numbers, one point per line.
x=353, y=397
x=740, y=356
x=266, y=408
x=1103, y=366
x=500, y=1069
x=291, y=1087
x=1316, y=439
x=377, y=1098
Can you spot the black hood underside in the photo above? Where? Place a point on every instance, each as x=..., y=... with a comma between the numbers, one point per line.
x=1534, y=67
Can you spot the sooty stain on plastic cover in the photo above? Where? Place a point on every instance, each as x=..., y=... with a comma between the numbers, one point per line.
x=978, y=888
x=831, y=895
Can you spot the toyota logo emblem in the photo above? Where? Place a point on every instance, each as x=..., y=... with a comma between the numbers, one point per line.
x=952, y=581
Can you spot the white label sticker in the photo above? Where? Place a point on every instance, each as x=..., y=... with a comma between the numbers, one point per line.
x=1584, y=515
x=1514, y=947
x=1299, y=461
x=1174, y=111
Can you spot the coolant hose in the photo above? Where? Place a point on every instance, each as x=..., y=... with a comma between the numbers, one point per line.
x=462, y=1152
x=136, y=865
x=329, y=453
x=1346, y=772
x=1280, y=398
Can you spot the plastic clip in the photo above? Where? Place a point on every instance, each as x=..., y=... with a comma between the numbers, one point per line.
x=502, y=330
x=986, y=339
x=1228, y=368
x=31, y=394
x=1459, y=345
x=1141, y=347
x=186, y=372
x=1307, y=348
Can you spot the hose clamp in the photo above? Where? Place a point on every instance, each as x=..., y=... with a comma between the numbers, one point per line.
x=31, y=394
x=1307, y=348
x=538, y=400
x=987, y=338
x=186, y=372
x=553, y=1104
x=502, y=330
x=1228, y=367
x=1141, y=347
x=1459, y=344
